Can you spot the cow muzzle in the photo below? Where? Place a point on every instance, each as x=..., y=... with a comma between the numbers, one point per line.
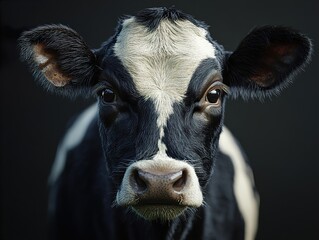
x=160, y=189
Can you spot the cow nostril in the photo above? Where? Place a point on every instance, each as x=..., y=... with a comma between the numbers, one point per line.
x=179, y=183
x=139, y=183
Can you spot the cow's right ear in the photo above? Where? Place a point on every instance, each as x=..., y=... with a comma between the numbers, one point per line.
x=59, y=59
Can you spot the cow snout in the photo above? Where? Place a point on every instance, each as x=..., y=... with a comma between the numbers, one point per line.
x=159, y=187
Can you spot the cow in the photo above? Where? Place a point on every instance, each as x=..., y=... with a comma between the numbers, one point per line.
x=151, y=158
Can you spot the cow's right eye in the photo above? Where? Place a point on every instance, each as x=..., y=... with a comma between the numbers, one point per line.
x=108, y=95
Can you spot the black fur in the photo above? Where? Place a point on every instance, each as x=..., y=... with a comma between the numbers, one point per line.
x=132, y=136
x=187, y=137
x=128, y=120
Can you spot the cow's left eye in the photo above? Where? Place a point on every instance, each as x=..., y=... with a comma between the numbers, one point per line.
x=213, y=95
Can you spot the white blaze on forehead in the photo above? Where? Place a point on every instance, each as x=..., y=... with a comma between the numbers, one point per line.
x=162, y=62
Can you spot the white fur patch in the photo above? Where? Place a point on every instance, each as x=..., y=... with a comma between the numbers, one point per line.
x=41, y=59
x=72, y=138
x=162, y=62
x=247, y=199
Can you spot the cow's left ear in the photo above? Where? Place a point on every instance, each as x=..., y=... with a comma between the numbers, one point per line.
x=59, y=58
x=266, y=61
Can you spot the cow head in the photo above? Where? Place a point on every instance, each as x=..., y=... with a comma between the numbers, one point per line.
x=161, y=83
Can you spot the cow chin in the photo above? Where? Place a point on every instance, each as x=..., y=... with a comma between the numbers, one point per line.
x=159, y=212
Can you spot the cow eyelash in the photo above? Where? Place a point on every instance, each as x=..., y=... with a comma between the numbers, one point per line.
x=220, y=85
x=226, y=89
x=98, y=89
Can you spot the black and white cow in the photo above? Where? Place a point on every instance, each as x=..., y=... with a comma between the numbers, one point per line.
x=152, y=160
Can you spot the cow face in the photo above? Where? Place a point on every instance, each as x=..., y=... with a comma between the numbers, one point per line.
x=161, y=83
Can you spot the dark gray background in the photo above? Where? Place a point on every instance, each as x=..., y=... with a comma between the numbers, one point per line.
x=280, y=136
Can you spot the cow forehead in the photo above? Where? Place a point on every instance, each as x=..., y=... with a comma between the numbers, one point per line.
x=162, y=61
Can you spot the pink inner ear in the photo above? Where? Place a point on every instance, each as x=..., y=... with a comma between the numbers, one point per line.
x=282, y=53
x=264, y=78
x=275, y=56
x=48, y=65
x=282, y=50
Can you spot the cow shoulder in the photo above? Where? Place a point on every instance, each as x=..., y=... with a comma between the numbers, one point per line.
x=78, y=179
x=243, y=182
x=73, y=137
